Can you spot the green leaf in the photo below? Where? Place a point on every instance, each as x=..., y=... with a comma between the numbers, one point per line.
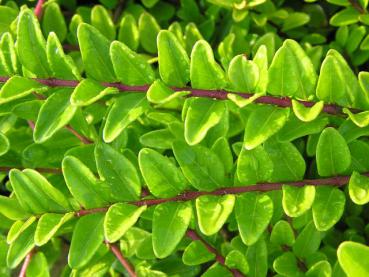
x=162, y=177
x=87, y=237
x=196, y=253
x=261, y=60
x=254, y=166
x=7, y=14
x=128, y=32
x=53, y=21
x=307, y=242
x=83, y=184
x=19, y=249
x=243, y=74
x=307, y=114
x=202, y=115
x=360, y=119
x=11, y=208
x=253, y=214
x=359, y=188
x=294, y=20
x=4, y=144
x=35, y=193
x=213, y=211
x=18, y=228
x=31, y=46
x=148, y=31
x=287, y=265
x=332, y=154
x=159, y=139
x=61, y=65
x=321, y=268
x=174, y=64
x=38, y=266
x=201, y=167
x=344, y=17
x=161, y=94
x=18, y=87
x=126, y=109
x=119, y=173
x=48, y=225
x=344, y=89
x=235, y=259
x=223, y=150
x=262, y=123
x=292, y=72
x=170, y=222
x=288, y=163
x=282, y=234
x=297, y=200
x=257, y=258
x=242, y=101
x=295, y=129
x=89, y=91
x=328, y=207
x=8, y=55
x=95, y=53
x=119, y=218
x=205, y=73
x=354, y=258
x=54, y=114
x=217, y=270
x=130, y=68
x=101, y=20
x=359, y=153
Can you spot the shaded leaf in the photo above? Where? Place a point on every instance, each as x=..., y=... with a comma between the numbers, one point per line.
x=328, y=207
x=162, y=177
x=170, y=222
x=253, y=213
x=87, y=237
x=332, y=153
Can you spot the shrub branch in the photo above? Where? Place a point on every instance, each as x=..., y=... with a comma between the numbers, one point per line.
x=125, y=263
x=217, y=94
x=261, y=187
x=26, y=263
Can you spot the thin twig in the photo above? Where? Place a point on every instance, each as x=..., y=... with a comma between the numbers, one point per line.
x=81, y=138
x=125, y=263
x=356, y=5
x=38, y=8
x=70, y=47
x=219, y=258
x=262, y=187
x=118, y=11
x=26, y=262
x=217, y=94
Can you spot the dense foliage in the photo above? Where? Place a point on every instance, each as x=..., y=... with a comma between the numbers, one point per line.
x=184, y=138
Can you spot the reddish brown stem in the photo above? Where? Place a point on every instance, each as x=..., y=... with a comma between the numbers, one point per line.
x=38, y=8
x=332, y=181
x=356, y=5
x=116, y=251
x=26, y=262
x=82, y=138
x=219, y=258
x=70, y=47
x=217, y=94
x=31, y=124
